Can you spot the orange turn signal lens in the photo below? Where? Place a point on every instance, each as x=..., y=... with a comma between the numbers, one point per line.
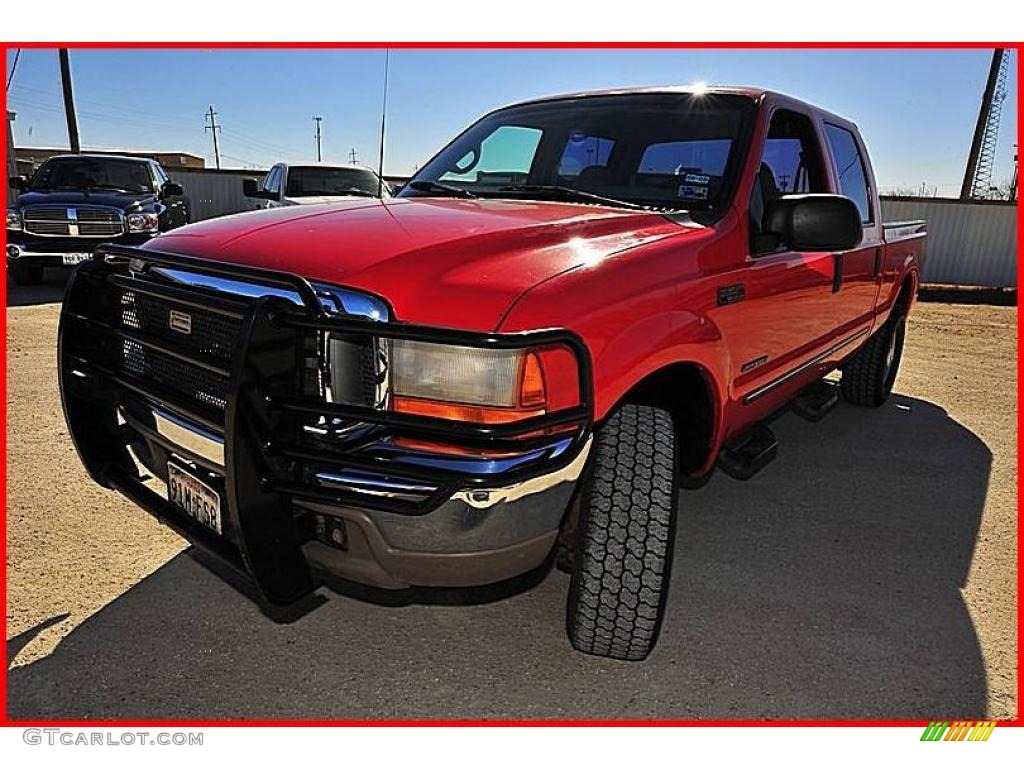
x=476, y=414
x=532, y=393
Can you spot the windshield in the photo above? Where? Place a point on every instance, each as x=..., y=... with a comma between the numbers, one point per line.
x=93, y=173
x=662, y=150
x=307, y=181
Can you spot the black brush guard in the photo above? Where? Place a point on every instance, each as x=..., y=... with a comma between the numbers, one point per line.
x=267, y=405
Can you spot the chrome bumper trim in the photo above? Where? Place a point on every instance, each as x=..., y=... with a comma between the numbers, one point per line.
x=374, y=486
x=483, y=498
x=190, y=437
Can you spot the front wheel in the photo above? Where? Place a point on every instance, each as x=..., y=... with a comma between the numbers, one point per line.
x=623, y=552
x=869, y=375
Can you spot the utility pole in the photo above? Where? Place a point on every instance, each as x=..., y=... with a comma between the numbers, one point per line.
x=213, y=128
x=352, y=156
x=317, y=119
x=69, y=101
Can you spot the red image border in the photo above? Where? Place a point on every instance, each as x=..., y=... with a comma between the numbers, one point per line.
x=1016, y=722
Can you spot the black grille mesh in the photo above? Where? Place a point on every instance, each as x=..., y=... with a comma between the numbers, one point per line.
x=210, y=334
x=205, y=387
x=211, y=337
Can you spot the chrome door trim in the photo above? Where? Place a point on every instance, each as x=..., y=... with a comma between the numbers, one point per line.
x=764, y=389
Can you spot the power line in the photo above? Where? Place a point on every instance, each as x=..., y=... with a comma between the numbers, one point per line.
x=213, y=128
x=120, y=114
x=262, y=146
x=241, y=160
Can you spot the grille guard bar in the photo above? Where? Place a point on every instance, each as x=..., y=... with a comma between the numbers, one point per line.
x=267, y=458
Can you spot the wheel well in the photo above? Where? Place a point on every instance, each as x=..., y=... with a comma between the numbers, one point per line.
x=906, y=294
x=684, y=390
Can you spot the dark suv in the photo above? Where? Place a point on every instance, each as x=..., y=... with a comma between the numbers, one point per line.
x=73, y=203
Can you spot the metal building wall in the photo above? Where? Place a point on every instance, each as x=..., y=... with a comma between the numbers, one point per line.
x=215, y=193
x=968, y=243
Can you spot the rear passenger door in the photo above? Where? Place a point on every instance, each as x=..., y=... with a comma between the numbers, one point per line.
x=857, y=270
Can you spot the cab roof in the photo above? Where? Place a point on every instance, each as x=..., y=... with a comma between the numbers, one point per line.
x=100, y=156
x=733, y=90
x=753, y=93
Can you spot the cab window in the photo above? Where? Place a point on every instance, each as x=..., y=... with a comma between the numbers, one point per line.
x=582, y=152
x=790, y=164
x=504, y=157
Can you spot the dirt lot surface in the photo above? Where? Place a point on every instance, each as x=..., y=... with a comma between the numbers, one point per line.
x=869, y=572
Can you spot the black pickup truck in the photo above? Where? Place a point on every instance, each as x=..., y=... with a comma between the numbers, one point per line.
x=73, y=203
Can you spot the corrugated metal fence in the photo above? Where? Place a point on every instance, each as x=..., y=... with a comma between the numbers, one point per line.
x=215, y=193
x=968, y=243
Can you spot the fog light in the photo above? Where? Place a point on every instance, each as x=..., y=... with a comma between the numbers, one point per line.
x=13, y=251
x=331, y=531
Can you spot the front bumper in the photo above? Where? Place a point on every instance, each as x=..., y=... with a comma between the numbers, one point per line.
x=295, y=508
x=48, y=251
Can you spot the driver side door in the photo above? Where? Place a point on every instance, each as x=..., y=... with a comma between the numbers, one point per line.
x=786, y=317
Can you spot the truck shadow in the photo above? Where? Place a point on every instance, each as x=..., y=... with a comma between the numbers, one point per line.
x=826, y=587
x=50, y=291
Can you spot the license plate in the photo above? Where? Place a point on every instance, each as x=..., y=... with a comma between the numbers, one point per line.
x=71, y=259
x=194, y=496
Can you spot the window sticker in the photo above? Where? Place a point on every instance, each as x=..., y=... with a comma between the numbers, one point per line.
x=693, y=191
x=697, y=178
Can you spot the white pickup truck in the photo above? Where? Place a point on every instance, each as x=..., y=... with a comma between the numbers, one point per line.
x=287, y=184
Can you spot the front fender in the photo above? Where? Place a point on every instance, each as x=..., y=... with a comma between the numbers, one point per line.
x=639, y=349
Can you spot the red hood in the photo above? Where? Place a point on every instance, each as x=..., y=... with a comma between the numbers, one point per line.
x=436, y=261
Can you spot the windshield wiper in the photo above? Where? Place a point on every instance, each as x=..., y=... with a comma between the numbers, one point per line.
x=441, y=189
x=569, y=194
x=336, y=193
x=115, y=188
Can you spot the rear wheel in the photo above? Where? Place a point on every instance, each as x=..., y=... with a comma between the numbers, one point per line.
x=623, y=554
x=869, y=375
x=26, y=274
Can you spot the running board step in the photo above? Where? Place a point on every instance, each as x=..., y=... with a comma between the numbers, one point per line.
x=814, y=402
x=750, y=453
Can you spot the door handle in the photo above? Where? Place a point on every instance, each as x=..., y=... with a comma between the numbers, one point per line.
x=837, y=272
x=878, y=262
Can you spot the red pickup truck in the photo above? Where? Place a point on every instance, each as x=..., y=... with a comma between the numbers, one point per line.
x=578, y=307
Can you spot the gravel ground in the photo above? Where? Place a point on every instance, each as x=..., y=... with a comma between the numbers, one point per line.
x=869, y=572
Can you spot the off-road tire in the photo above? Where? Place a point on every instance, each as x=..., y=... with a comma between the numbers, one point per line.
x=623, y=556
x=26, y=274
x=868, y=376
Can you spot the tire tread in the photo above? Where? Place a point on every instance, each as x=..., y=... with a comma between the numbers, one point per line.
x=623, y=558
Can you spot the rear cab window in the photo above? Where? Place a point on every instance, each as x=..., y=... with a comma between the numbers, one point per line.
x=850, y=169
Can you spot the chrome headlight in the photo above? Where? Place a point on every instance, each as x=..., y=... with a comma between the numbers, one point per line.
x=143, y=222
x=13, y=219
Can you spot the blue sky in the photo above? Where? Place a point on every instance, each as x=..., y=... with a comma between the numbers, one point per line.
x=916, y=108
